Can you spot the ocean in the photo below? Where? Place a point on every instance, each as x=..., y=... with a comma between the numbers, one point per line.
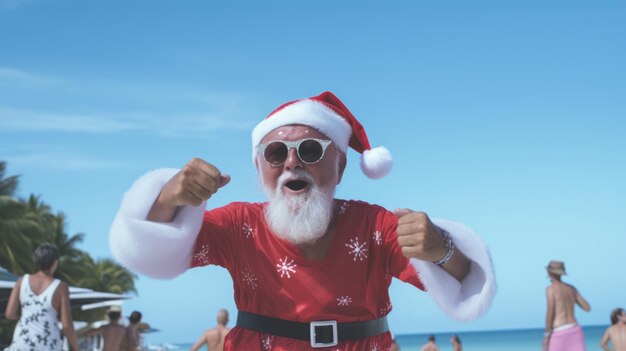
x=497, y=340
x=509, y=340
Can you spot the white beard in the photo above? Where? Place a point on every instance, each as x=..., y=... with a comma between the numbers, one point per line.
x=299, y=218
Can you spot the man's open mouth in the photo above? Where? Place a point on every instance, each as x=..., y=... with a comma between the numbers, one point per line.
x=296, y=185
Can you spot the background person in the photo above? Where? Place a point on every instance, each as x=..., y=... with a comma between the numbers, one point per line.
x=132, y=339
x=112, y=333
x=214, y=338
x=456, y=343
x=395, y=346
x=616, y=333
x=431, y=345
x=38, y=300
x=562, y=331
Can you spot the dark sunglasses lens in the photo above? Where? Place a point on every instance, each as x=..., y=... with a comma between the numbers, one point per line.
x=276, y=153
x=310, y=151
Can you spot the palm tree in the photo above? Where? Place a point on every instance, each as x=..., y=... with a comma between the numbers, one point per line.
x=27, y=223
x=106, y=275
x=72, y=258
x=7, y=185
x=15, y=244
x=15, y=248
x=103, y=275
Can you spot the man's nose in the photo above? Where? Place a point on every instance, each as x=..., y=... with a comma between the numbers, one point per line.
x=293, y=161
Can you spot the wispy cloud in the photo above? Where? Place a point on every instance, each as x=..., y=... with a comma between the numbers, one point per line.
x=19, y=120
x=12, y=77
x=104, y=106
x=63, y=160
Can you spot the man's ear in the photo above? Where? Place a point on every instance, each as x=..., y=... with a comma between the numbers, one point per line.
x=341, y=166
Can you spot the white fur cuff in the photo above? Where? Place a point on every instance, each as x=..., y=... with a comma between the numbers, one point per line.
x=158, y=250
x=472, y=297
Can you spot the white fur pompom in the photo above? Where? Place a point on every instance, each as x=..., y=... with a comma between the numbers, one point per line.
x=376, y=162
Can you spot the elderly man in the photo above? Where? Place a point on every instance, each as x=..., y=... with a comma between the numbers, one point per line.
x=309, y=270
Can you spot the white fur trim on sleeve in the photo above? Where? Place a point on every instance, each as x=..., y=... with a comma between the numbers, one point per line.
x=158, y=250
x=472, y=297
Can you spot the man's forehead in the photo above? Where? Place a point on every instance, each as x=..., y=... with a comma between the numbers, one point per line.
x=294, y=130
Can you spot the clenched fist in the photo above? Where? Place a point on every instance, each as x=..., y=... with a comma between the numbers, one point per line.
x=196, y=182
x=419, y=237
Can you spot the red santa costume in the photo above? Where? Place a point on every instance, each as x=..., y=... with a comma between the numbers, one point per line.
x=273, y=279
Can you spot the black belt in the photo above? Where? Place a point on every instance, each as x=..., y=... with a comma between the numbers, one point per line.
x=319, y=333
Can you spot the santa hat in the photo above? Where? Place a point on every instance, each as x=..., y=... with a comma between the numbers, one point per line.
x=330, y=116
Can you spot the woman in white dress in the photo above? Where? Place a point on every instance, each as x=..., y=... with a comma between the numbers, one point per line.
x=38, y=300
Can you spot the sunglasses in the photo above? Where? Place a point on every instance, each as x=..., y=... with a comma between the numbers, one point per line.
x=310, y=151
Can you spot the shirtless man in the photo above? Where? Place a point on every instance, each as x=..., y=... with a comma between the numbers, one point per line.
x=562, y=331
x=112, y=333
x=214, y=338
x=617, y=332
x=132, y=338
x=431, y=345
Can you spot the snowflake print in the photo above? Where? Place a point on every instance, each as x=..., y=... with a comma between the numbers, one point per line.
x=357, y=249
x=344, y=301
x=375, y=347
x=202, y=256
x=378, y=237
x=344, y=207
x=248, y=230
x=285, y=267
x=267, y=342
x=385, y=310
x=249, y=279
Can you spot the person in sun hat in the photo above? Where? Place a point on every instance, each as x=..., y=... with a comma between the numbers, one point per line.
x=309, y=270
x=562, y=331
x=556, y=267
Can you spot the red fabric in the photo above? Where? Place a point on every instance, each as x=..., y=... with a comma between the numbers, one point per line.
x=271, y=278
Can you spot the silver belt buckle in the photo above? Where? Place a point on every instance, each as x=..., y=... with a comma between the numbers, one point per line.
x=315, y=324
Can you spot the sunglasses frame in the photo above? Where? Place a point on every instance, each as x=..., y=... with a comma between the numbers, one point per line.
x=294, y=144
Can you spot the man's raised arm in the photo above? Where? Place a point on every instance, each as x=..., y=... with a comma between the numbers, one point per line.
x=160, y=217
x=192, y=185
x=453, y=263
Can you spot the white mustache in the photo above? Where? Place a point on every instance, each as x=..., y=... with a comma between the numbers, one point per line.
x=299, y=174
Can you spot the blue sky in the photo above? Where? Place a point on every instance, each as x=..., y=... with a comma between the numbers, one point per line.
x=508, y=116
